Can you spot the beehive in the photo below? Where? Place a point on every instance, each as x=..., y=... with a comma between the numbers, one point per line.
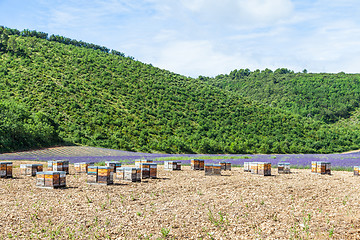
x=247, y=167
x=216, y=169
x=253, y=166
x=51, y=179
x=208, y=169
x=82, y=167
x=137, y=162
x=323, y=168
x=226, y=166
x=105, y=175
x=356, y=170
x=153, y=170
x=283, y=167
x=58, y=165
x=145, y=170
x=6, y=169
x=129, y=174
x=313, y=166
x=30, y=169
x=113, y=165
x=197, y=164
x=172, y=165
x=212, y=169
x=264, y=168
x=92, y=174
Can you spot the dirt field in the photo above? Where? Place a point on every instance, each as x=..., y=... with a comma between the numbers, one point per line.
x=185, y=205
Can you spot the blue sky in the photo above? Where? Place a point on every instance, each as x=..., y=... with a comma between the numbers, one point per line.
x=198, y=37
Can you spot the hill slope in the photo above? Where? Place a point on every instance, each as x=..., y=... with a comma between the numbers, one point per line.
x=99, y=99
x=322, y=96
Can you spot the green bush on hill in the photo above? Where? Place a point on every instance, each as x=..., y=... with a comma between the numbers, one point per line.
x=93, y=96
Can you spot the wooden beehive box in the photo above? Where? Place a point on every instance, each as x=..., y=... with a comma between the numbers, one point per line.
x=283, y=168
x=51, y=179
x=113, y=165
x=208, y=169
x=153, y=170
x=216, y=169
x=30, y=169
x=172, y=165
x=323, y=168
x=82, y=167
x=137, y=162
x=253, y=167
x=6, y=169
x=58, y=165
x=314, y=166
x=197, y=164
x=226, y=166
x=264, y=168
x=105, y=175
x=131, y=174
x=212, y=169
x=145, y=170
x=92, y=174
x=247, y=167
x=356, y=170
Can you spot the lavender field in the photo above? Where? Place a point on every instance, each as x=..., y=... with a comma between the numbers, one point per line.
x=92, y=154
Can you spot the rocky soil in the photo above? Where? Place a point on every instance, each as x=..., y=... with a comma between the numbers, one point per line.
x=185, y=205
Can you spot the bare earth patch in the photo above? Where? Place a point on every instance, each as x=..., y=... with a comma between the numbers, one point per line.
x=185, y=205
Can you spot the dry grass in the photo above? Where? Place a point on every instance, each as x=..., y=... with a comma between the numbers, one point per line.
x=185, y=204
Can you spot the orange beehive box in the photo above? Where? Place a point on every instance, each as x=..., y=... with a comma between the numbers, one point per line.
x=145, y=170
x=6, y=169
x=153, y=170
x=197, y=164
x=30, y=169
x=323, y=168
x=264, y=168
x=356, y=170
x=51, y=179
x=314, y=166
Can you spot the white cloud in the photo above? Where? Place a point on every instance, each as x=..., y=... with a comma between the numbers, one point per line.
x=197, y=58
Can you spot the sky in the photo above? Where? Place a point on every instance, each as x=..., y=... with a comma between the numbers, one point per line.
x=207, y=38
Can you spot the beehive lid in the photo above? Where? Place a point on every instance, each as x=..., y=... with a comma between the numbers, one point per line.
x=5, y=162
x=216, y=165
x=284, y=163
x=93, y=167
x=51, y=172
x=209, y=164
x=104, y=167
x=111, y=162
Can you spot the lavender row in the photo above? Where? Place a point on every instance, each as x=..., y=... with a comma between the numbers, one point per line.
x=338, y=160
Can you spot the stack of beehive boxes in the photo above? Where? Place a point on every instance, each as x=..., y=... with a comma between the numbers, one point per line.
x=226, y=166
x=172, y=165
x=59, y=165
x=51, y=179
x=320, y=167
x=260, y=168
x=100, y=175
x=113, y=165
x=132, y=174
x=82, y=167
x=284, y=168
x=6, y=169
x=212, y=169
x=30, y=169
x=197, y=164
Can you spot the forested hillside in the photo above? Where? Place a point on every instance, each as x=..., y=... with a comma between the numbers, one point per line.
x=321, y=96
x=87, y=94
